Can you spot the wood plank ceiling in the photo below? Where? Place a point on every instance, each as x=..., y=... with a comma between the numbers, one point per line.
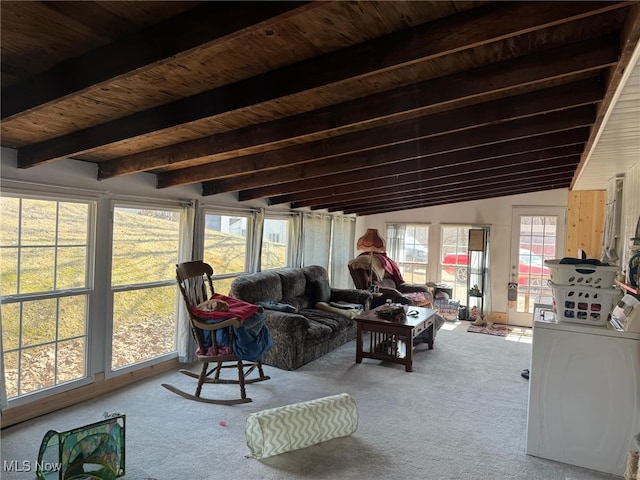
x=361, y=106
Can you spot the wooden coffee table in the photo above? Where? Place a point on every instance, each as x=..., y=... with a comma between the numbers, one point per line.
x=391, y=339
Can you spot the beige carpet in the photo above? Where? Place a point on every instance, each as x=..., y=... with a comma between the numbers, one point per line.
x=461, y=414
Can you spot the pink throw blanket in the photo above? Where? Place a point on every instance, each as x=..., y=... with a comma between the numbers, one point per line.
x=237, y=308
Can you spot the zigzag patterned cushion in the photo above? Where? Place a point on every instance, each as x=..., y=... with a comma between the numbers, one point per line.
x=299, y=425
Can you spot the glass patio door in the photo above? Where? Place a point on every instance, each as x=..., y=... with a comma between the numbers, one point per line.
x=537, y=235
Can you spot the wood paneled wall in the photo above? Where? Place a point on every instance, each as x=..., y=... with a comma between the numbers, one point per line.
x=585, y=222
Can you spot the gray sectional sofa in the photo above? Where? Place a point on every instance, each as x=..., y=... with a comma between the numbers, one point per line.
x=304, y=332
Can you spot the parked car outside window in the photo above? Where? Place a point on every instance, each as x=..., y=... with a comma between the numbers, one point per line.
x=530, y=267
x=414, y=251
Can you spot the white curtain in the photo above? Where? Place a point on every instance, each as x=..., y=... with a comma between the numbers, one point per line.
x=316, y=229
x=296, y=240
x=610, y=252
x=488, y=297
x=395, y=241
x=255, y=247
x=191, y=233
x=343, y=234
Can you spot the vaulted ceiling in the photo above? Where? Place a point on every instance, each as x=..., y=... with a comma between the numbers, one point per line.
x=361, y=106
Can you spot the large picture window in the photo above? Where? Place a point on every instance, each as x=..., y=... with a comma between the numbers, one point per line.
x=45, y=250
x=144, y=257
x=225, y=247
x=408, y=245
x=275, y=243
x=455, y=258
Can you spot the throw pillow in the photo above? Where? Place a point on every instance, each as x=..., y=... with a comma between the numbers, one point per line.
x=299, y=425
x=322, y=290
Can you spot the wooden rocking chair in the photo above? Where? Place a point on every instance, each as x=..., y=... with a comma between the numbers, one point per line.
x=196, y=286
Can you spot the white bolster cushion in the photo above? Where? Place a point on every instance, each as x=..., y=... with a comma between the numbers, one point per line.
x=351, y=313
x=299, y=425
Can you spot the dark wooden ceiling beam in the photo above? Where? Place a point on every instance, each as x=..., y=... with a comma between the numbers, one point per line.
x=400, y=49
x=529, y=72
x=505, y=109
x=447, y=178
x=523, y=128
x=471, y=197
x=470, y=193
x=471, y=182
x=503, y=187
x=199, y=27
x=520, y=151
x=421, y=166
x=475, y=194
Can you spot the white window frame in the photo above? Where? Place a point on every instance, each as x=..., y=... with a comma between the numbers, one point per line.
x=289, y=247
x=138, y=203
x=88, y=290
x=457, y=294
x=229, y=213
x=402, y=263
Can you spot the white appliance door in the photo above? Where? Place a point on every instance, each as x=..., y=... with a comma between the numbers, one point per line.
x=584, y=396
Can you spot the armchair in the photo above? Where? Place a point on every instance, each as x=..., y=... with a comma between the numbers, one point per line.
x=384, y=273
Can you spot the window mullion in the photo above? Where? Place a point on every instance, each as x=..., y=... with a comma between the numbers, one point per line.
x=142, y=286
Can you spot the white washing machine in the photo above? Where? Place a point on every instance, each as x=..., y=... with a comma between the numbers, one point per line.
x=584, y=395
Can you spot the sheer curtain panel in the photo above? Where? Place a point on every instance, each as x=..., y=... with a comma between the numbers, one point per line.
x=257, y=227
x=343, y=239
x=191, y=231
x=395, y=240
x=316, y=229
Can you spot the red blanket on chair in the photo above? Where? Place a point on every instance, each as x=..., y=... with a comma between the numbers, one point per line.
x=237, y=308
x=391, y=268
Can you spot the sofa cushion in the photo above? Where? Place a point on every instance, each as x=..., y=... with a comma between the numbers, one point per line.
x=334, y=321
x=316, y=333
x=321, y=290
x=258, y=287
x=294, y=288
x=315, y=272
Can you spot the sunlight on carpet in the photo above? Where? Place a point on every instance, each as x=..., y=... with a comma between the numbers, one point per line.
x=449, y=326
x=520, y=334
